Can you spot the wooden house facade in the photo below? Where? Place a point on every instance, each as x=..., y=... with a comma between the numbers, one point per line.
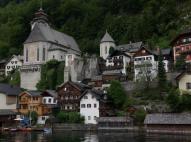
x=69, y=95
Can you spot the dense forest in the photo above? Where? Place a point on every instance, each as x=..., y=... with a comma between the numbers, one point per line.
x=155, y=22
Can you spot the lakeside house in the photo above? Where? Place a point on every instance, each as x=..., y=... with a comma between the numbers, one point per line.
x=8, y=96
x=69, y=94
x=94, y=104
x=8, y=105
x=168, y=122
x=30, y=101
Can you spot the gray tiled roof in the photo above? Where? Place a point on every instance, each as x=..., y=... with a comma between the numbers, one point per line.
x=53, y=93
x=168, y=118
x=9, y=89
x=34, y=93
x=42, y=32
x=4, y=112
x=131, y=47
x=107, y=38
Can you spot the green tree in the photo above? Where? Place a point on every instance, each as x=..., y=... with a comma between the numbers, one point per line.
x=180, y=63
x=162, y=82
x=173, y=100
x=139, y=116
x=14, y=78
x=117, y=94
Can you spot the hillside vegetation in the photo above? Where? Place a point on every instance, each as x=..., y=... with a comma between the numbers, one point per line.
x=156, y=22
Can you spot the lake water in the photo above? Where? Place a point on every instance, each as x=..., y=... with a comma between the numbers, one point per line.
x=91, y=137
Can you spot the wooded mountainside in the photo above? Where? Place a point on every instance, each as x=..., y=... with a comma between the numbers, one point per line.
x=156, y=22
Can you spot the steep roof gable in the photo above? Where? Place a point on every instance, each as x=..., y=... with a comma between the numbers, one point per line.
x=107, y=38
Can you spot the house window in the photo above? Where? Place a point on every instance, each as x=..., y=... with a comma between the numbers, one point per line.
x=95, y=105
x=54, y=100
x=43, y=118
x=37, y=54
x=65, y=89
x=43, y=54
x=88, y=105
x=188, y=85
x=83, y=106
x=49, y=100
x=27, y=55
x=44, y=100
x=89, y=117
x=53, y=57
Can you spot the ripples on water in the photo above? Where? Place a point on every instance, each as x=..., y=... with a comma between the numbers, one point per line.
x=91, y=137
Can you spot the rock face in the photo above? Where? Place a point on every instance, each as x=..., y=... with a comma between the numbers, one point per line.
x=84, y=68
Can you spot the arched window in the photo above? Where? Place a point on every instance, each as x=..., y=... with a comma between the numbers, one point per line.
x=106, y=50
x=43, y=54
x=27, y=54
x=37, y=54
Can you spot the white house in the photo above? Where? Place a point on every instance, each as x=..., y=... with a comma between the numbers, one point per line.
x=14, y=63
x=90, y=105
x=145, y=65
x=8, y=96
x=43, y=44
x=118, y=60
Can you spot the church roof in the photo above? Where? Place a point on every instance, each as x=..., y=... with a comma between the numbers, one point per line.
x=43, y=32
x=107, y=38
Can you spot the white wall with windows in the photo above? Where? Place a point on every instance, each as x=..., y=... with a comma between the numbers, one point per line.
x=13, y=64
x=89, y=108
x=49, y=100
x=145, y=67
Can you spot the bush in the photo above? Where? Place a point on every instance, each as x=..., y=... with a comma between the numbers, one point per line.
x=139, y=116
x=70, y=117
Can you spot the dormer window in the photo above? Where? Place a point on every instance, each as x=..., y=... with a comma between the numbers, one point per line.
x=143, y=51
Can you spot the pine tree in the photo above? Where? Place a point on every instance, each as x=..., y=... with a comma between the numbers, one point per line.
x=161, y=73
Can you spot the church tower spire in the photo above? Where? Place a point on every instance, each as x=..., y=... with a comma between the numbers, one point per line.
x=40, y=17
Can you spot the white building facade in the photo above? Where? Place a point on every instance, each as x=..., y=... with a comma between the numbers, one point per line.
x=13, y=64
x=145, y=65
x=89, y=108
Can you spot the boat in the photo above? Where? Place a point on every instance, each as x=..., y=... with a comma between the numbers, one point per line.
x=47, y=130
x=13, y=129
